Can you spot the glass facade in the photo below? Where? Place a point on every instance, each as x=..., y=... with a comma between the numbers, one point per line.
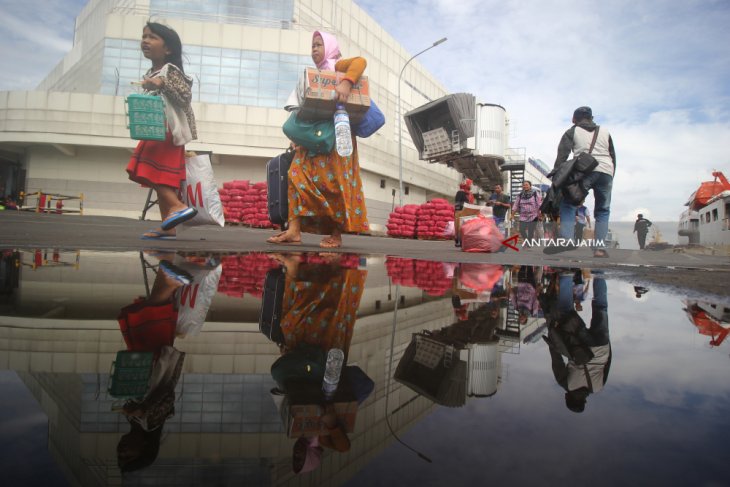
x=228, y=76
x=249, y=12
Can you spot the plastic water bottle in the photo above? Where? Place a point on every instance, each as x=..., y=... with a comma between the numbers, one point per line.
x=332, y=370
x=343, y=135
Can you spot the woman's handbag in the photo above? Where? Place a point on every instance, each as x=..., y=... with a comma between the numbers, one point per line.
x=317, y=136
x=371, y=121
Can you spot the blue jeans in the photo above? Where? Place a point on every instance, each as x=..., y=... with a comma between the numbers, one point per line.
x=597, y=335
x=601, y=184
x=500, y=225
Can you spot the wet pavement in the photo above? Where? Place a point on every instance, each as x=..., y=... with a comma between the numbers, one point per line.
x=133, y=367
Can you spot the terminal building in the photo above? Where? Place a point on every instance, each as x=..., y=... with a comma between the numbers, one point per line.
x=69, y=135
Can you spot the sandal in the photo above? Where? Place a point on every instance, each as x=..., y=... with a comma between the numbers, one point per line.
x=175, y=273
x=281, y=239
x=157, y=235
x=178, y=217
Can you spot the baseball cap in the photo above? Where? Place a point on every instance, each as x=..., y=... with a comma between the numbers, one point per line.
x=582, y=112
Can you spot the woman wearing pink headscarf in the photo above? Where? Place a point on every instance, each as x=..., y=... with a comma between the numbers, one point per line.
x=325, y=190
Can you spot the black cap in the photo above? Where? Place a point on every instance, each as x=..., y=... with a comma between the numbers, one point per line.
x=582, y=112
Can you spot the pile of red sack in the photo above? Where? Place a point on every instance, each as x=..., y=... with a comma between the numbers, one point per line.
x=245, y=274
x=401, y=271
x=430, y=276
x=402, y=221
x=433, y=218
x=245, y=202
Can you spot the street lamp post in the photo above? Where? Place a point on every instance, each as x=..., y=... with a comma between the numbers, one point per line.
x=400, y=120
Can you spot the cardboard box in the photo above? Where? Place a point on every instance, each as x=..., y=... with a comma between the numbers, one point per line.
x=302, y=409
x=316, y=95
x=306, y=419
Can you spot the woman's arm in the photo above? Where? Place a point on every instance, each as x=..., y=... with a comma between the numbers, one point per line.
x=353, y=69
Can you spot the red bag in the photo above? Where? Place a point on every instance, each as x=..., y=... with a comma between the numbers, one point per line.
x=480, y=235
x=480, y=277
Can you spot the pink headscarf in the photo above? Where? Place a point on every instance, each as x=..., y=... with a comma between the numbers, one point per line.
x=313, y=454
x=331, y=50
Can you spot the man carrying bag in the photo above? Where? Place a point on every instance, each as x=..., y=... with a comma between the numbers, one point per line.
x=578, y=140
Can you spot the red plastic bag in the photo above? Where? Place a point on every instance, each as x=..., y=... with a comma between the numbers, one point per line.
x=480, y=234
x=480, y=277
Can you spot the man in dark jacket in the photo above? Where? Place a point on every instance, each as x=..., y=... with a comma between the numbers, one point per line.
x=641, y=228
x=577, y=139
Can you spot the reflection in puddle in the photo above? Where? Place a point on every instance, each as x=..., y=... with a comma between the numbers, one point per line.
x=711, y=320
x=219, y=364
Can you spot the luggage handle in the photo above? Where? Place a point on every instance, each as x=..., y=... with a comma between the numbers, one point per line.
x=111, y=375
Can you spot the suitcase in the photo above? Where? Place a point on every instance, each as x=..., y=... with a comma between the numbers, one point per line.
x=277, y=180
x=271, y=304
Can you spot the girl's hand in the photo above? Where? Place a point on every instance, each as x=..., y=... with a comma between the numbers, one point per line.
x=342, y=91
x=152, y=84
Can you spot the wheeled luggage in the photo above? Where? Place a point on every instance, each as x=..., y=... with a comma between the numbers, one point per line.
x=277, y=180
x=271, y=304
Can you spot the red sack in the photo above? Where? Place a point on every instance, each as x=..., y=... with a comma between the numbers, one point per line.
x=480, y=235
x=480, y=277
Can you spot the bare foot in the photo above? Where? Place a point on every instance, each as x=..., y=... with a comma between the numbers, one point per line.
x=331, y=242
x=285, y=238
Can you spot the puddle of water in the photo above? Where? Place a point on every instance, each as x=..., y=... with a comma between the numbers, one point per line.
x=447, y=376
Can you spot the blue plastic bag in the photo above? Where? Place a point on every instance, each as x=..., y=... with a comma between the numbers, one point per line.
x=371, y=122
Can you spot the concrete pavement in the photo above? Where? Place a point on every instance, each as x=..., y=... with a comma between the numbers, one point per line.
x=29, y=230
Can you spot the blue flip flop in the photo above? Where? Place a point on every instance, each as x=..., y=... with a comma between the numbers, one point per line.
x=157, y=236
x=178, y=217
x=174, y=272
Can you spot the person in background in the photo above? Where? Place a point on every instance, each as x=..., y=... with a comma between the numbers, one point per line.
x=500, y=203
x=464, y=195
x=160, y=165
x=641, y=229
x=8, y=203
x=325, y=190
x=582, y=220
x=527, y=208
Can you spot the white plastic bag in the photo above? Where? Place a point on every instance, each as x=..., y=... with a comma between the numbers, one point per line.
x=193, y=301
x=200, y=191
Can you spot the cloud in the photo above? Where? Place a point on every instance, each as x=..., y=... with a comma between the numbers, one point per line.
x=655, y=74
x=36, y=34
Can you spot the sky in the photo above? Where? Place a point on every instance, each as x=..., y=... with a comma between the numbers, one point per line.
x=656, y=74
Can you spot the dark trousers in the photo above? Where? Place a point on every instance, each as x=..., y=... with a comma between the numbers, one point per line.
x=642, y=239
x=579, y=231
x=527, y=229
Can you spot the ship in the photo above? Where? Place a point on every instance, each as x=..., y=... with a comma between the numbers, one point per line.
x=705, y=221
x=711, y=319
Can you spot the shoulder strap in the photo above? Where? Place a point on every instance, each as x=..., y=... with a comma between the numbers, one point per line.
x=595, y=136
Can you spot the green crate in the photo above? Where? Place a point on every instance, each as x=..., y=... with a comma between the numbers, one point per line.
x=130, y=374
x=146, y=117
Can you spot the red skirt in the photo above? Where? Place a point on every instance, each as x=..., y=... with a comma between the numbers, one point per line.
x=156, y=163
